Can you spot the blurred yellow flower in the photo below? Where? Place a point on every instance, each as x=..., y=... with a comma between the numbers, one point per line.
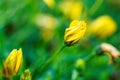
x=71, y=8
x=46, y=24
x=12, y=64
x=80, y=64
x=75, y=32
x=111, y=51
x=26, y=75
x=102, y=27
x=50, y=3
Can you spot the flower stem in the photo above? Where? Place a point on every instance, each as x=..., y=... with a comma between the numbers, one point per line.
x=95, y=6
x=43, y=66
x=88, y=58
x=52, y=58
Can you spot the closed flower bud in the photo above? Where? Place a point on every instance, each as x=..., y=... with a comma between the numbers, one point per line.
x=46, y=29
x=75, y=32
x=71, y=8
x=50, y=3
x=80, y=64
x=111, y=51
x=102, y=27
x=26, y=75
x=12, y=64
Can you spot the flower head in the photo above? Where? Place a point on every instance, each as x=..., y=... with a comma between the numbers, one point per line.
x=72, y=9
x=80, y=64
x=75, y=32
x=46, y=29
x=50, y=3
x=26, y=75
x=12, y=64
x=110, y=50
x=102, y=27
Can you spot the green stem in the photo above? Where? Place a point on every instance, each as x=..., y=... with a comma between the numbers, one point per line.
x=95, y=6
x=39, y=69
x=52, y=58
x=89, y=57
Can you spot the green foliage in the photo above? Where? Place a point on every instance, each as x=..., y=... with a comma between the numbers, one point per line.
x=19, y=29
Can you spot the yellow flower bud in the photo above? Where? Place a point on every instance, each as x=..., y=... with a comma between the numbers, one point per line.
x=111, y=51
x=26, y=75
x=12, y=64
x=102, y=27
x=80, y=64
x=46, y=29
x=50, y=3
x=75, y=32
x=72, y=9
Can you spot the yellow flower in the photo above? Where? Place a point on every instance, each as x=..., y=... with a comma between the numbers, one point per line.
x=102, y=27
x=72, y=9
x=26, y=75
x=46, y=29
x=111, y=51
x=80, y=64
x=50, y=3
x=12, y=64
x=75, y=32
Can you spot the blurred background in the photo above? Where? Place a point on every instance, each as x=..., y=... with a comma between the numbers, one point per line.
x=38, y=26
